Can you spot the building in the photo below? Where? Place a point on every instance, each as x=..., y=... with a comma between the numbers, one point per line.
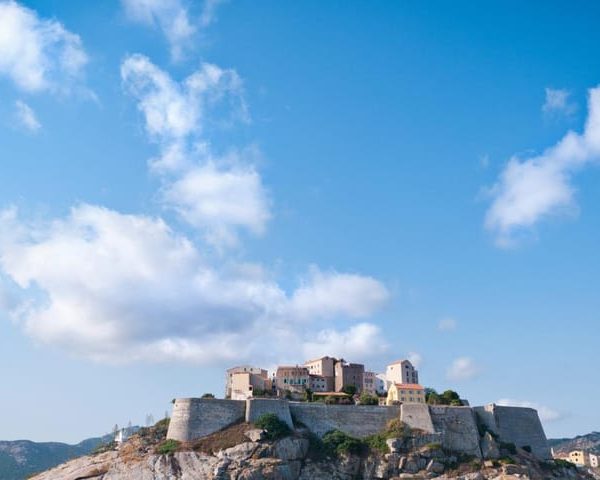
x=594, y=460
x=405, y=393
x=381, y=384
x=369, y=385
x=255, y=371
x=318, y=383
x=578, y=458
x=244, y=385
x=348, y=374
x=295, y=378
x=323, y=367
x=402, y=371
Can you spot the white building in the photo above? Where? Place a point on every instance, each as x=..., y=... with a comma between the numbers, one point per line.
x=403, y=372
x=594, y=460
x=381, y=384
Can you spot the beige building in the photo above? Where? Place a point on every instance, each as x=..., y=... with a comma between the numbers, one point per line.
x=401, y=371
x=244, y=385
x=293, y=378
x=322, y=370
x=594, y=460
x=369, y=383
x=348, y=374
x=578, y=457
x=405, y=393
x=255, y=371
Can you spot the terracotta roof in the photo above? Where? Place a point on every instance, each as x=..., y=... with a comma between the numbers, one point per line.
x=409, y=386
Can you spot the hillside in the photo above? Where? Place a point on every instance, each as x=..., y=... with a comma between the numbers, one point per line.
x=589, y=443
x=21, y=458
x=245, y=452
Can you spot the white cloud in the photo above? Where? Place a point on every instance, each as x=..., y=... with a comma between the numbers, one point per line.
x=38, y=54
x=545, y=413
x=115, y=287
x=538, y=187
x=358, y=342
x=209, y=12
x=462, y=368
x=415, y=358
x=325, y=293
x=217, y=198
x=218, y=195
x=26, y=116
x=173, y=19
x=558, y=102
x=447, y=324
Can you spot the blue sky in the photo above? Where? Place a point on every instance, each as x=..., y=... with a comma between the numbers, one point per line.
x=189, y=185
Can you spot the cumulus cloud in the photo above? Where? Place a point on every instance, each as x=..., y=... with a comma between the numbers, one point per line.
x=38, y=54
x=462, y=368
x=173, y=19
x=358, y=342
x=26, y=117
x=324, y=293
x=217, y=194
x=117, y=287
x=447, y=324
x=545, y=413
x=539, y=187
x=558, y=102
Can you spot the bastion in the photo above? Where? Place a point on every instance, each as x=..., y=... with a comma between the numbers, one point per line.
x=457, y=428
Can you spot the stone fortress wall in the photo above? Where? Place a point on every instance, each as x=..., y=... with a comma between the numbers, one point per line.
x=457, y=427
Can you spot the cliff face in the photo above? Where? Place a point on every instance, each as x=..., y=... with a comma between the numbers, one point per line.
x=291, y=458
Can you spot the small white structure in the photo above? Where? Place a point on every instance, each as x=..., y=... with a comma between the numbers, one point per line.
x=122, y=435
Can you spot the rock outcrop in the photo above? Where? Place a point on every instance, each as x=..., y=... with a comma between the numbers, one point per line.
x=242, y=453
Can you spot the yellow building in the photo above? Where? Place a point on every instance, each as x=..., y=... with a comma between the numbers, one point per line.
x=405, y=393
x=577, y=457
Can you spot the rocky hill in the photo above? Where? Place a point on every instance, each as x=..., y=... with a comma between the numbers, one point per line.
x=245, y=452
x=21, y=458
x=588, y=443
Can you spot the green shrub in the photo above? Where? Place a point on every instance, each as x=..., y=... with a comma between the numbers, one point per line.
x=377, y=442
x=368, y=399
x=349, y=390
x=274, y=427
x=104, y=447
x=506, y=461
x=336, y=442
x=207, y=395
x=167, y=447
x=562, y=463
x=527, y=448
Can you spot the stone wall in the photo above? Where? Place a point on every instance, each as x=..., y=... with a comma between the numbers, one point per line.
x=356, y=420
x=194, y=418
x=416, y=415
x=517, y=425
x=459, y=428
x=255, y=407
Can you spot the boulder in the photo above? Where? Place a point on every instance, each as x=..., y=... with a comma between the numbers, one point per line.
x=489, y=447
x=243, y=451
x=255, y=435
x=290, y=448
x=395, y=444
x=435, y=466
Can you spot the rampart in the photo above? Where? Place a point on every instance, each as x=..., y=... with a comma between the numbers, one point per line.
x=359, y=420
x=517, y=425
x=256, y=407
x=458, y=428
x=194, y=418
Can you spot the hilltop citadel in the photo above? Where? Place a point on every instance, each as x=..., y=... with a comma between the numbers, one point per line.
x=323, y=395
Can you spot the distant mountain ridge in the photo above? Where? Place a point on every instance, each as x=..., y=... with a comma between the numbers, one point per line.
x=21, y=458
x=589, y=442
